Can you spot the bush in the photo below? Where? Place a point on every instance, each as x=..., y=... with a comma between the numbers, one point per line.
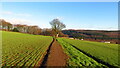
x=15, y=30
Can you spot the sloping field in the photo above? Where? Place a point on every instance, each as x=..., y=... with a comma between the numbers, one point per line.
x=23, y=49
x=102, y=52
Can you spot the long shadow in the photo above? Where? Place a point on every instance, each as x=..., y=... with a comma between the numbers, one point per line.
x=43, y=64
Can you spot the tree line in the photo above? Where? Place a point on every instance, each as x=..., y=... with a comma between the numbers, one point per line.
x=56, y=25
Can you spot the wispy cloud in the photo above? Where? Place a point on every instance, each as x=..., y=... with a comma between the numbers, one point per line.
x=16, y=14
x=23, y=14
x=57, y=17
x=7, y=12
x=16, y=18
x=18, y=21
x=60, y=18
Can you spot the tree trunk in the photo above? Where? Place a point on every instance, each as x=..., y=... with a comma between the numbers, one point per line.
x=57, y=35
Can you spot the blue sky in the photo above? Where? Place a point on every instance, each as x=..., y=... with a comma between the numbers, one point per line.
x=59, y=0
x=76, y=15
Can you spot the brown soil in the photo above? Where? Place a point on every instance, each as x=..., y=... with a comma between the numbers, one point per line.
x=56, y=56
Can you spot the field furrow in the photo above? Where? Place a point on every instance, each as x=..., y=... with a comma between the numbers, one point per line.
x=95, y=50
x=23, y=49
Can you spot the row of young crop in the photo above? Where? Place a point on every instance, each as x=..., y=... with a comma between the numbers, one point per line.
x=23, y=49
x=98, y=50
x=77, y=58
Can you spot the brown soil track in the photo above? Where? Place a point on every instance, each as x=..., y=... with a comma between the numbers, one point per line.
x=55, y=56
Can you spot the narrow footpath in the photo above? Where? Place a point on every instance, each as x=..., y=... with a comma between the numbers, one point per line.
x=55, y=57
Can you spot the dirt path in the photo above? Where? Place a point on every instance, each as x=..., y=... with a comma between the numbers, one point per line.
x=55, y=56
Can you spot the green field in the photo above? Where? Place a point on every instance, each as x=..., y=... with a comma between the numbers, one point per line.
x=20, y=49
x=0, y=49
x=104, y=52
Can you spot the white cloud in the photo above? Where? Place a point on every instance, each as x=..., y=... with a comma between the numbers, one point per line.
x=21, y=21
x=23, y=14
x=18, y=21
x=7, y=12
x=15, y=14
x=60, y=18
x=56, y=17
x=16, y=18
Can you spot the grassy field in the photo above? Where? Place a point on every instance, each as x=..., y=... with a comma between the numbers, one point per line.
x=104, y=52
x=23, y=49
x=20, y=49
x=0, y=49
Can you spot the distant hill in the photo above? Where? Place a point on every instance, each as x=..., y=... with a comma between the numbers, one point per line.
x=93, y=35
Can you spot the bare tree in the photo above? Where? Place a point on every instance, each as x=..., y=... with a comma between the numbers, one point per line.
x=47, y=32
x=9, y=26
x=19, y=27
x=33, y=30
x=36, y=30
x=1, y=22
x=57, y=26
x=5, y=25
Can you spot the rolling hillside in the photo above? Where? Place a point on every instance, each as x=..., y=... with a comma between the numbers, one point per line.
x=94, y=35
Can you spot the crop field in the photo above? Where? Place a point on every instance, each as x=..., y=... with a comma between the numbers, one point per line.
x=23, y=49
x=78, y=50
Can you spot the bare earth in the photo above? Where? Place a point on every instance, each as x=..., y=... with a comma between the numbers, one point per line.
x=56, y=56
